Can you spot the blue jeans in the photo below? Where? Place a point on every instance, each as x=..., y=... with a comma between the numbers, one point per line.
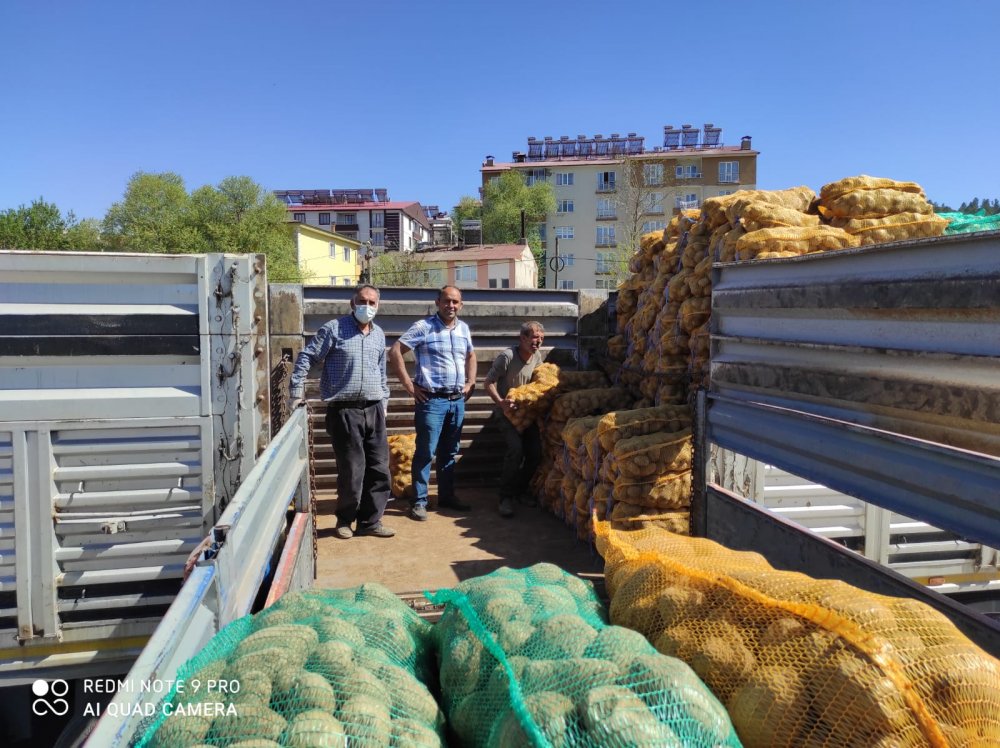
x=439, y=430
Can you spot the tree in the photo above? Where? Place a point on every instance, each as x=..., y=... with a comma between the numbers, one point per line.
x=238, y=216
x=468, y=208
x=503, y=202
x=41, y=225
x=400, y=269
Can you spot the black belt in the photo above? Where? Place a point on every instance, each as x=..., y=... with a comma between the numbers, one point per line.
x=342, y=404
x=448, y=395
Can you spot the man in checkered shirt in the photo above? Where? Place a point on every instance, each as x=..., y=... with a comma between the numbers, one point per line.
x=445, y=374
x=356, y=390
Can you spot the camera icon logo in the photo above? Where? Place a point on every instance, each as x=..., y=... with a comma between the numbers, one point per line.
x=49, y=697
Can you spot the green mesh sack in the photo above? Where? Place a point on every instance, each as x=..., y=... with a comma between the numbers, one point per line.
x=964, y=223
x=527, y=658
x=318, y=668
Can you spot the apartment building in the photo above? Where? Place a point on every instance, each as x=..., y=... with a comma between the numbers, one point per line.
x=366, y=215
x=611, y=190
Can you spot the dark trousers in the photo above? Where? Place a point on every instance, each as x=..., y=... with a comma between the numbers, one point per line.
x=359, y=442
x=521, y=459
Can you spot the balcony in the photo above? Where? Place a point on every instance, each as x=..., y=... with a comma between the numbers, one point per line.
x=607, y=215
x=605, y=243
x=605, y=188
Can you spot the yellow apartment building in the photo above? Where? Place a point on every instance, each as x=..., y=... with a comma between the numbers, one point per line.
x=326, y=258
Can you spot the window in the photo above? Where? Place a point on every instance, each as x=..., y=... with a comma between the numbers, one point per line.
x=652, y=174
x=653, y=202
x=688, y=171
x=494, y=181
x=324, y=219
x=300, y=217
x=566, y=285
x=569, y=258
x=347, y=254
x=605, y=236
x=605, y=208
x=348, y=282
x=605, y=283
x=605, y=181
x=378, y=238
x=564, y=206
x=725, y=192
x=465, y=273
x=653, y=226
x=499, y=283
x=378, y=219
x=564, y=232
x=688, y=201
x=564, y=179
x=348, y=219
x=541, y=231
x=534, y=176
x=729, y=172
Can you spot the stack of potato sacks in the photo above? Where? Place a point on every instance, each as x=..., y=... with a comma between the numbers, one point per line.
x=401, y=449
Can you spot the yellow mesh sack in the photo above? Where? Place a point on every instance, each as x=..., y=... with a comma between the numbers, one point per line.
x=795, y=198
x=792, y=241
x=670, y=394
x=874, y=204
x=653, y=454
x=589, y=402
x=624, y=424
x=401, y=449
x=533, y=400
x=864, y=182
x=728, y=251
x=617, y=347
x=800, y=661
x=581, y=380
x=764, y=216
x=695, y=312
x=893, y=228
x=625, y=516
x=663, y=492
x=677, y=287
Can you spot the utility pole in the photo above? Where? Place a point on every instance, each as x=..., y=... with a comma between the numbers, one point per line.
x=555, y=267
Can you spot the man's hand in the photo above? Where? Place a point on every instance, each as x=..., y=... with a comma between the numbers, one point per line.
x=508, y=405
x=420, y=395
x=467, y=390
x=295, y=402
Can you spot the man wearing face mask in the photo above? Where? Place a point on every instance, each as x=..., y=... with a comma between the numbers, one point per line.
x=356, y=390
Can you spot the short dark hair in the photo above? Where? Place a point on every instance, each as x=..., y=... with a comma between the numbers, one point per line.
x=445, y=288
x=361, y=287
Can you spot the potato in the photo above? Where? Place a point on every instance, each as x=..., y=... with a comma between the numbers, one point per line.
x=561, y=636
x=366, y=721
x=335, y=628
x=315, y=729
x=250, y=722
x=181, y=729
x=552, y=712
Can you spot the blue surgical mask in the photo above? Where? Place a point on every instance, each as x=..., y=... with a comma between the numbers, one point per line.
x=364, y=313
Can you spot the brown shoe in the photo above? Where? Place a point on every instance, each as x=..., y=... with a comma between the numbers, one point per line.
x=343, y=532
x=378, y=530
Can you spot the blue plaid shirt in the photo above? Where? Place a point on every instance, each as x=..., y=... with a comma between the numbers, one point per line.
x=353, y=363
x=440, y=353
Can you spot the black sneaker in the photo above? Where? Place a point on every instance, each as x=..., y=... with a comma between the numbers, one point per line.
x=378, y=530
x=418, y=512
x=454, y=505
x=506, y=507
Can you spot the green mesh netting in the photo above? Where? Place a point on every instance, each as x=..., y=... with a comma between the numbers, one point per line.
x=319, y=668
x=527, y=658
x=963, y=223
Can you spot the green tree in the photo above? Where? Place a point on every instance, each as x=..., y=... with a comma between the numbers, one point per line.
x=42, y=225
x=400, y=269
x=973, y=207
x=503, y=202
x=468, y=208
x=238, y=216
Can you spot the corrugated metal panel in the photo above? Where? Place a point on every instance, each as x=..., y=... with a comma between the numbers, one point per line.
x=870, y=371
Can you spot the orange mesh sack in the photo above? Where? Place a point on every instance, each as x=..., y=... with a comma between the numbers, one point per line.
x=893, y=228
x=581, y=380
x=864, y=182
x=527, y=659
x=401, y=449
x=624, y=424
x=533, y=400
x=792, y=241
x=633, y=517
x=800, y=661
x=874, y=204
x=664, y=492
x=763, y=216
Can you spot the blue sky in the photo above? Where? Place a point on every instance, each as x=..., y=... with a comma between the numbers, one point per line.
x=411, y=96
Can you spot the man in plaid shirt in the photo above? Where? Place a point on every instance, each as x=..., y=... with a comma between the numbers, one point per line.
x=445, y=374
x=356, y=390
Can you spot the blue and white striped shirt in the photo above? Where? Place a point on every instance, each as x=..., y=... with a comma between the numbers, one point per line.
x=440, y=353
x=354, y=363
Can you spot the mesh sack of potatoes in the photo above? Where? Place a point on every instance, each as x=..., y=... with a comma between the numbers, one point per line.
x=874, y=204
x=625, y=424
x=792, y=241
x=760, y=215
x=589, y=402
x=626, y=516
x=607, y=471
x=324, y=667
x=584, y=495
x=670, y=394
x=570, y=381
x=800, y=661
x=794, y=198
x=567, y=492
x=575, y=431
x=401, y=448
x=592, y=454
x=694, y=313
x=617, y=345
x=527, y=659
x=533, y=400
x=551, y=493
x=647, y=388
x=834, y=190
x=700, y=342
x=894, y=228
x=728, y=250
x=671, y=491
x=677, y=287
